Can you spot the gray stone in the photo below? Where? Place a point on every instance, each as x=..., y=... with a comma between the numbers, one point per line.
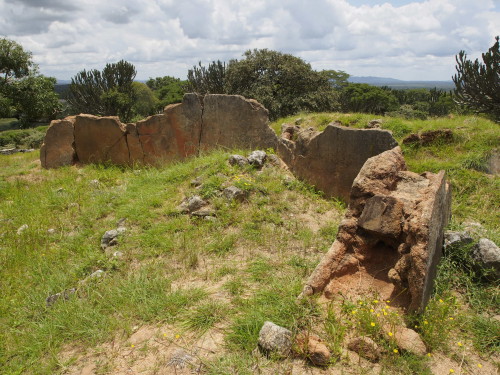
x=275, y=340
x=257, y=158
x=65, y=295
x=96, y=274
x=487, y=254
x=51, y=231
x=365, y=347
x=493, y=162
x=238, y=160
x=454, y=240
x=110, y=237
x=196, y=182
x=204, y=212
x=191, y=204
x=235, y=193
x=21, y=229
x=373, y=124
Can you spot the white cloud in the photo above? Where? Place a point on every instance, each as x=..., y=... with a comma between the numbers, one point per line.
x=408, y=40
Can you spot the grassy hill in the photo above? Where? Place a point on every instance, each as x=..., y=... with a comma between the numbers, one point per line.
x=182, y=289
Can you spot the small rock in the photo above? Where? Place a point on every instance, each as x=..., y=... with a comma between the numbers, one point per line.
x=210, y=218
x=204, y=212
x=181, y=359
x=51, y=231
x=94, y=183
x=374, y=124
x=238, y=160
x=191, y=204
x=110, y=238
x=95, y=275
x=117, y=254
x=487, y=254
x=455, y=240
x=234, y=193
x=60, y=190
x=196, y=182
x=473, y=227
x=299, y=121
x=312, y=347
x=406, y=339
x=21, y=229
x=65, y=295
x=365, y=347
x=121, y=222
x=275, y=340
x=257, y=158
x=273, y=160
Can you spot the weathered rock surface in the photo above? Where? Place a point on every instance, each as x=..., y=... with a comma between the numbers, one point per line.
x=100, y=139
x=238, y=160
x=275, y=340
x=110, y=237
x=365, y=347
x=390, y=240
x=312, y=348
x=10, y=151
x=330, y=160
x=58, y=147
x=257, y=158
x=191, y=204
x=430, y=136
x=487, y=254
x=232, y=121
x=235, y=193
x=454, y=240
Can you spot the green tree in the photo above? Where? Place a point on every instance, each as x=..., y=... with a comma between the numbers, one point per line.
x=106, y=93
x=167, y=89
x=146, y=102
x=361, y=97
x=207, y=80
x=24, y=93
x=283, y=83
x=477, y=85
x=337, y=78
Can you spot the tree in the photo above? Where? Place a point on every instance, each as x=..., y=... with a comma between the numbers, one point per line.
x=283, y=83
x=477, y=85
x=106, y=93
x=24, y=93
x=207, y=80
x=361, y=97
x=146, y=102
x=167, y=89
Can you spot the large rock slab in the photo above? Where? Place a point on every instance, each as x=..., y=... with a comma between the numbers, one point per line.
x=390, y=240
x=330, y=160
x=231, y=121
x=58, y=146
x=173, y=135
x=100, y=140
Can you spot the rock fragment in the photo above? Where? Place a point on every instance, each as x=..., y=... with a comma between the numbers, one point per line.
x=487, y=254
x=191, y=204
x=257, y=158
x=275, y=340
x=406, y=339
x=234, y=193
x=365, y=347
x=312, y=348
x=238, y=160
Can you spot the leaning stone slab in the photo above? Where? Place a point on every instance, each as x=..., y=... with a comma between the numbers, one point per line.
x=390, y=240
x=58, y=146
x=330, y=160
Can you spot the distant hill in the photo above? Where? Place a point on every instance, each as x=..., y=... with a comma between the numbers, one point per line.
x=400, y=84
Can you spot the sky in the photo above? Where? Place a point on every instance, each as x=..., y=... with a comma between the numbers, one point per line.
x=403, y=39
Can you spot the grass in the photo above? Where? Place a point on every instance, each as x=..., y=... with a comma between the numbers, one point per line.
x=182, y=274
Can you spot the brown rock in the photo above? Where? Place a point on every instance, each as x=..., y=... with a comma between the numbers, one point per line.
x=365, y=347
x=231, y=121
x=312, y=348
x=430, y=136
x=57, y=149
x=330, y=160
x=395, y=222
x=100, y=139
x=406, y=339
x=136, y=153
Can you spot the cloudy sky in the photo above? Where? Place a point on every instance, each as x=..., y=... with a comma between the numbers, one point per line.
x=404, y=39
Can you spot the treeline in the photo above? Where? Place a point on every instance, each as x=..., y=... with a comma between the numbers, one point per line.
x=283, y=83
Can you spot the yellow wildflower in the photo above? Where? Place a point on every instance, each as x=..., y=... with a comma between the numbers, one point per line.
x=459, y=343
x=451, y=371
x=177, y=336
x=372, y=324
x=479, y=365
x=390, y=333
x=395, y=351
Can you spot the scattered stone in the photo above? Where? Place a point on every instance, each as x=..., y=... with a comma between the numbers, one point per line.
x=365, y=347
x=110, y=238
x=117, y=254
x=196, y=182
x=191, y=204
x=299, y=121
x=94, y=183
x=487, y=254
x=428, y=137
x=21, y=229
x=180, y=359
x=51, y=231
x=210, y=218
x=238, y=160
x=257, y=158
x=204, y=212
x=65, y=295
x=234, y=193
x=374, y=124
x=313, y=348
x=60, y=190
x=275, y=340
x=120, y=223
x=493, y=162
x=273, y=160
x=473, y=227
x=406, y=339
x=95, y=275
x=455, y=240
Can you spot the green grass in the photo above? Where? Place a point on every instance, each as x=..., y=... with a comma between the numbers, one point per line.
x=189, y=275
